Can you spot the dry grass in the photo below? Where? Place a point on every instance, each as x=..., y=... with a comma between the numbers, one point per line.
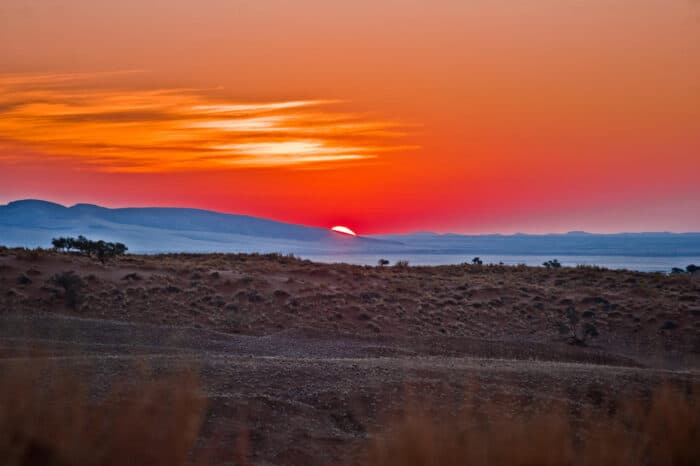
x=49, y=417
x=662, y=431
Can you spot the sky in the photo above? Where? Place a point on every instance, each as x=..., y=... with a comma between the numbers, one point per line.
x=475, y=116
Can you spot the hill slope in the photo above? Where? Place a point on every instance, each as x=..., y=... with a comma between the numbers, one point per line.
x=32, y=223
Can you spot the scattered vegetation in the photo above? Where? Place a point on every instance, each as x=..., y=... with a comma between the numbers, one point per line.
x=402, y=264
x=452, y=300
x=102, y=250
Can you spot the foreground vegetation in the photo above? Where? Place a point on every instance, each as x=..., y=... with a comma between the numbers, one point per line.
x=661, y=431
x=157, y=422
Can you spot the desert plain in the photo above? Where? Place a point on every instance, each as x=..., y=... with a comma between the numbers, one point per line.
x=295, y=362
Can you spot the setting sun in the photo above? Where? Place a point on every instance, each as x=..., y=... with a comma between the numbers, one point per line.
x=344, y=230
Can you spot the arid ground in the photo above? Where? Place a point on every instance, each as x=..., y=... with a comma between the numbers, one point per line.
x=305, y=363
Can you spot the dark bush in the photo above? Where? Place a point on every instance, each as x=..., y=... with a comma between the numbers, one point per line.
x=590, y=330
x=382, y=262
x=669, y=325
x=552, y=264
x=578, y=333
x=73, y=286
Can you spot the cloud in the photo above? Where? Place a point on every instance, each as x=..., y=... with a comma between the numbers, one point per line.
x=71, y=116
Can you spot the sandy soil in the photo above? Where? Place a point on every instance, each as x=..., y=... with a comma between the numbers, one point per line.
x=310, y=360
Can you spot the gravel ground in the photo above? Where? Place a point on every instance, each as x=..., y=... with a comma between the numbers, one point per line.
x=329, y=395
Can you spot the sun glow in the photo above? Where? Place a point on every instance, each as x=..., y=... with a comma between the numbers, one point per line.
x=343, y=230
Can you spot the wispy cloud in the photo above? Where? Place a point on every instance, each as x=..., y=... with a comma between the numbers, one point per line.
x=180, y=129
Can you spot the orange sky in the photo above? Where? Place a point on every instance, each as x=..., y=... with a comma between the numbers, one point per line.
x=466, y=116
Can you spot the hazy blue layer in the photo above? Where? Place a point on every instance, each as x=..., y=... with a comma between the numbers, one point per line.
x=34, y=223
x=642, y=264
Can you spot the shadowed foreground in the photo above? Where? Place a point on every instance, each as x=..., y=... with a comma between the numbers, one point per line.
x=49, y=417
x=269, y=360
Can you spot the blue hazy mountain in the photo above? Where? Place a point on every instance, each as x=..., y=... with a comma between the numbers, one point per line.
x=33, y=223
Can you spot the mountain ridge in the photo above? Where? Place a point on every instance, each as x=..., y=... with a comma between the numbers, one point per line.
x=34, y=222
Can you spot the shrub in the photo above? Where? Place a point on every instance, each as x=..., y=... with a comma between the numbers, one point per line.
x=382, y=262
x=552, y=264
x=72, y=285
x=578, y=334
x=669, y=325
x=402, y=264
x=692, y=268
x=477, y=261
x=590, y=330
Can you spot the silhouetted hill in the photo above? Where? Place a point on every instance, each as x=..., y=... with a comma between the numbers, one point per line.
x=156, y=229
x=32, y=223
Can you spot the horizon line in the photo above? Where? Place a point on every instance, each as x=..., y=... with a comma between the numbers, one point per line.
x=407, y=233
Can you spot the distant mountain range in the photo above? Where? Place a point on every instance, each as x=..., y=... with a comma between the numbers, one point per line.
x=577, y=243
x=32, y=223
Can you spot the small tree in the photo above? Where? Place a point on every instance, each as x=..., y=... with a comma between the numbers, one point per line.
x=382, y=262
x=477, y=261
x=692, y=268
